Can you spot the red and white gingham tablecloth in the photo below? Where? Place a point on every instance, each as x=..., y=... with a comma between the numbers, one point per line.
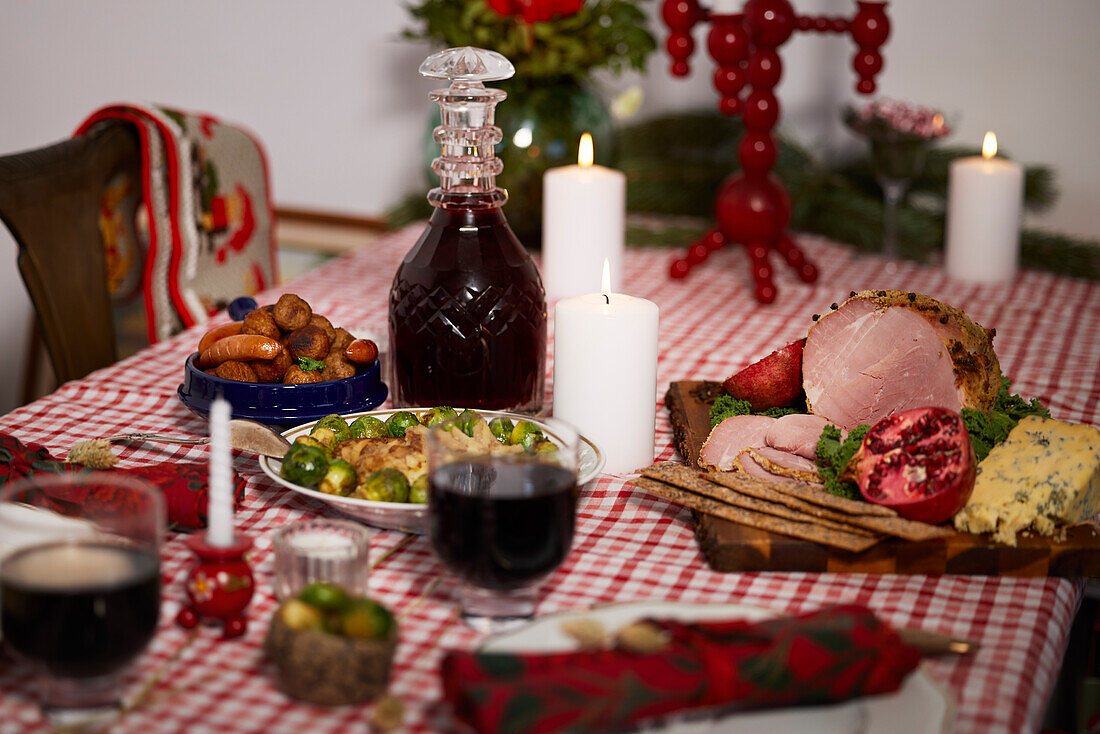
x=628, y=545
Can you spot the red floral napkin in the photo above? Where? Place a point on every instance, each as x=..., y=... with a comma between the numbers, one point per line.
x=184, y=484
x=827, y=656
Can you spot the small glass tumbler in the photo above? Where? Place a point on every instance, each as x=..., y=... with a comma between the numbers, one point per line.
x=336, y=551
x=501, y=514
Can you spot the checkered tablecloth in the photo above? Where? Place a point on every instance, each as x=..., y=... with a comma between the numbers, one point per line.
x=629, y=545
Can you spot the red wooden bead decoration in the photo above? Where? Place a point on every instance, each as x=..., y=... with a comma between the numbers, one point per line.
x=761, y=111
x=765, y=69
x=807, y=272
x=680, y=45
x=757, y=152
x=714, y=240
x=870, y=27
x=752, y=208
x=697, y=253
x=769, y=22
x=729, y=80
x=730, y=106
x=728, y=43
x=765, y=292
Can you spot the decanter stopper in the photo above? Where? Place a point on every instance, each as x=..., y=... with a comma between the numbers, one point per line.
x=468, y=167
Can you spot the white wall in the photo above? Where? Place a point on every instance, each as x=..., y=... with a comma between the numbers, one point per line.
x=332, y=90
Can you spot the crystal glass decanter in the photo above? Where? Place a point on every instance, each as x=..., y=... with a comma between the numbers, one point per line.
x=467, y=306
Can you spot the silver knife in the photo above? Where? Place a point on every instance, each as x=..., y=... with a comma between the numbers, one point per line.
x=245, y=435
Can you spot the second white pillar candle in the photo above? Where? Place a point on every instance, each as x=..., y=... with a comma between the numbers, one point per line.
x=605, y=374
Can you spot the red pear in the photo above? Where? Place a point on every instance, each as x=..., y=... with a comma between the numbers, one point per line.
x=773, y=382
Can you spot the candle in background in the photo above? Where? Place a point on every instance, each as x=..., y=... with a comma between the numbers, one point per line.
x=985, y=196
x=605, y=373
x=220, y=495
x=583, y=223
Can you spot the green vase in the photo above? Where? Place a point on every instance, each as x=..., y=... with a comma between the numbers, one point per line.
x=542, y=121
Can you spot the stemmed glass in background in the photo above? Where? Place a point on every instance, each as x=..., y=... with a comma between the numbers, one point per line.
x=900, y=135
x=80, y=584
x=501, y=518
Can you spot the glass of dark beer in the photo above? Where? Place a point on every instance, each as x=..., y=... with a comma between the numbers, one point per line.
x=80, y=584
x=501, y=514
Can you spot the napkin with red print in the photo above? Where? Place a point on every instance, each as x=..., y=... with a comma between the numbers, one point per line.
x=184, y=485
x=830, y=655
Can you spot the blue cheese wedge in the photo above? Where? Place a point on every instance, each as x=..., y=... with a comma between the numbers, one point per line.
x=1046, y=473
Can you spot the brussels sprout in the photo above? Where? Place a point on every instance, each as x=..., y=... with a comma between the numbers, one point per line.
x=501, y=428
x=339, y=479
x=304, y=464
x=325, y=596
x=545, y=447
x=438, y=415
x=311, y=441
x=467, y=420
x=366, y=619
x=384, y=485
x=324, y=436
x=334, y=423
x=526, y=434
x=400, y=421
x=418, y=492
x=299, y=615
x=369, y=426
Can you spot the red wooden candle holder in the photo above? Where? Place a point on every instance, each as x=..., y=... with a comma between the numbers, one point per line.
x=219, y=585
x=752, y=208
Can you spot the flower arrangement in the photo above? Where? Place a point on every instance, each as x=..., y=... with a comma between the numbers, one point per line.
x=881, y=118
x=542, y=38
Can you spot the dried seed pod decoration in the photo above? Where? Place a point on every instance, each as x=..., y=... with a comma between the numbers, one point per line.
x=642, y=638
x=588, y=632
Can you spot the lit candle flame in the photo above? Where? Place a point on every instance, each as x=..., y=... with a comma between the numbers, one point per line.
x=605, y=280
x=937, y=121
x=585, y=156
x=989, y=145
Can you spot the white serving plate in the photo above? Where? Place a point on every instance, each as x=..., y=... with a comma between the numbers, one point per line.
x=920, y=706
x=407, y=516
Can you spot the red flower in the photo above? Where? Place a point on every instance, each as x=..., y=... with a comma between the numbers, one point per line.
x=536, y=11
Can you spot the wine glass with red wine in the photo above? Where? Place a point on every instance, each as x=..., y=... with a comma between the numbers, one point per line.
x=80, y=584
x=501, y=516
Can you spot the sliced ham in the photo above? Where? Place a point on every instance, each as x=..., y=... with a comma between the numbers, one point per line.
x=797, y=433
x=730, y=437
x=776, y=463
x=883, y=352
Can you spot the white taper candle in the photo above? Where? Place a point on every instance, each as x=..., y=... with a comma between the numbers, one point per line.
x=220, y=497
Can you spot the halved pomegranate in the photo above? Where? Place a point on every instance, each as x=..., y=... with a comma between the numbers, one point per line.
x=919, y=463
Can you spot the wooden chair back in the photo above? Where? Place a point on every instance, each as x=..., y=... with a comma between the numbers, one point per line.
x=50, y=202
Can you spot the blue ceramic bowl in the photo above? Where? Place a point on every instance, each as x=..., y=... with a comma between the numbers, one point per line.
x=280, y=405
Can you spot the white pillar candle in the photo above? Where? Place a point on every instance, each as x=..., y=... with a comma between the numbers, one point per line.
x=605, y=373
x=583, y=223
x=219, y=513
x=985, y=196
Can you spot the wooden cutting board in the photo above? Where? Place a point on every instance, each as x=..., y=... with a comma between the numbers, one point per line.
x=728, y=546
